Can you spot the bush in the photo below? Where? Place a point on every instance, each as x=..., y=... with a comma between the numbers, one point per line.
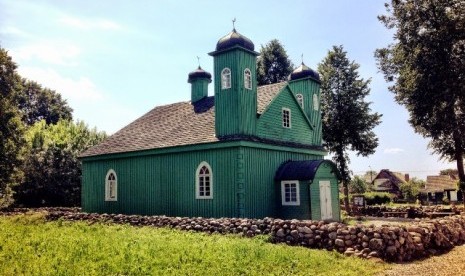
x=378, y=198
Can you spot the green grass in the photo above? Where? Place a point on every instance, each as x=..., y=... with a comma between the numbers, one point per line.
x=31, y=246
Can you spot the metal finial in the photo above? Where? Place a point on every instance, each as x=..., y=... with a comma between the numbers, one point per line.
x=302, y=57
x=198, y=61
x=234, y=25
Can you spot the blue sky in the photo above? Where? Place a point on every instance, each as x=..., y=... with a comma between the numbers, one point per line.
x=115, y=60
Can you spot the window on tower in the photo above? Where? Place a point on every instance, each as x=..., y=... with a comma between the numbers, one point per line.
x=247, y=79
x=300, y=99
x=226, y=78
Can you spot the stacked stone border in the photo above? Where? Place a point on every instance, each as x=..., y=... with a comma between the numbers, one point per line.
x=418, y=239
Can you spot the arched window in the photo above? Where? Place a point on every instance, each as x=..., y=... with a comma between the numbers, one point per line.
x=247, y=79
x=226, y=78
x=111, y=186
x=300, y=99
x=204, y=182
x=316, y=104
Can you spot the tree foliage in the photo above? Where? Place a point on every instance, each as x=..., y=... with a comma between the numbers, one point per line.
x=273, y=64
x=37, y=103
x=411, y=189
x=347, y=118
x=426, y=66
x=11, y=128
x=52, y=172
x=449, y=172
x=358, y=185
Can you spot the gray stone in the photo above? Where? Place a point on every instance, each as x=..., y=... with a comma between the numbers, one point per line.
x=339, y=243
x=376, y=244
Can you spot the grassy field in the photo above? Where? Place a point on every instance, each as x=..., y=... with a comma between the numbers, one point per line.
x=31, y=246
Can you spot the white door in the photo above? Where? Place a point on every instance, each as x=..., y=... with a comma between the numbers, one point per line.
x=453, y=195
x=325, y=200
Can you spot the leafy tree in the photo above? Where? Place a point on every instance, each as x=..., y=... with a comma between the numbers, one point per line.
x=411, y=189
x=52, y=170
x=347, y=119
x=449, y=172
x=37, y=103
x=426, y=64
x=11, y=128
x=273, y=64
x=358, y=185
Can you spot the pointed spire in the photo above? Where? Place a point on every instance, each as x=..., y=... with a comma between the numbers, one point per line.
x=234, y=24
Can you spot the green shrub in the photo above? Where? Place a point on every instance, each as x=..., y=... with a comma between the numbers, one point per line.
x=378, y=198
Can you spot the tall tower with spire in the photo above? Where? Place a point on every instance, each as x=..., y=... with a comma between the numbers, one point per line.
x=235, y=86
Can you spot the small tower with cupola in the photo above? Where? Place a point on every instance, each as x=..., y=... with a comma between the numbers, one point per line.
x=235, y=86
x=199, y=80
x=305, y=84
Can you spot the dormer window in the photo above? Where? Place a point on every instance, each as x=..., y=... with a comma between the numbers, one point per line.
x=226, y=78
x=286, y=117
x=300, y=99
x=247, y=79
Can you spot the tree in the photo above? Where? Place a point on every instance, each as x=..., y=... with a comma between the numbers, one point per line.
x=358, y=185
x=37, y=103
x=273, y=64
x=52, y=172
x=411, y=189
x=449, y=172
x=426, y=64
x=11, y=129
x=347, y=119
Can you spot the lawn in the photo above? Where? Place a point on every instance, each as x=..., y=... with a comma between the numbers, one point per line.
x=31, y=246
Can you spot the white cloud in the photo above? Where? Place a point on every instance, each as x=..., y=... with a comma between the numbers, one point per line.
x=50, y=52
x=86, y=24
x=80, y=89
x=393, y=150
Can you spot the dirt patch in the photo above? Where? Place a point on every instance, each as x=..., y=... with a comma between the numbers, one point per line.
x=448, y=264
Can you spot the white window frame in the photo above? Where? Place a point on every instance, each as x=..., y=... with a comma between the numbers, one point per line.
x=283, y=193
x=108, y=186
x=226, y=78
x=286, y=119
x=316, y=103
x=198, y=184
x=300, y=99
x=247, y=79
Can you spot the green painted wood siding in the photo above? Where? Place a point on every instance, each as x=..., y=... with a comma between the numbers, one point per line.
x=162, y=184
x=302, y=211
x=307, y=87
x=262, y=192
x=324, y=173
x=270, y=124
x=235, y=108
x=199, y=89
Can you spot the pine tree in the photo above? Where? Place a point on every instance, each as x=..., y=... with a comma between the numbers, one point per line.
x=273, y=64
x=347, y=118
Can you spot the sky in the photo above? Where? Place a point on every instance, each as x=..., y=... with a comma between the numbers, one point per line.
x=115, y=60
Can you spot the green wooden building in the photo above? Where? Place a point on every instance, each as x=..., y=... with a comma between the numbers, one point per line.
x=247, y=151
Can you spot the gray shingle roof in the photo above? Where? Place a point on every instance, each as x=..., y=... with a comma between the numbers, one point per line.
x=175, y=124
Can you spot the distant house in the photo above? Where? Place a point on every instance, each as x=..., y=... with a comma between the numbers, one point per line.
x=439, y=186
x=387, y=181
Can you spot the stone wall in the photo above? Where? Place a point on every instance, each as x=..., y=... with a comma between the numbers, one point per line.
x=420, y=238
